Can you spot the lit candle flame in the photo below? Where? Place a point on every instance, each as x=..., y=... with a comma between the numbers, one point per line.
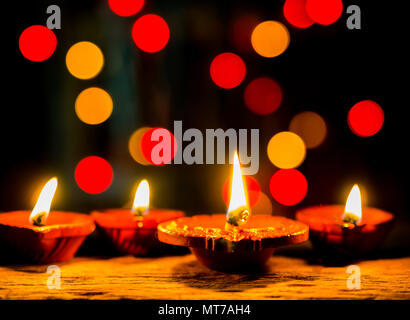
x=41, y=210
x=141, y=199
x=353, y=209
x=238, y=211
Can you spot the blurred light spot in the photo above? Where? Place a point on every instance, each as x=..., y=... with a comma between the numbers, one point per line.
x=253, y=189
x=227, y=70
x=295, y=13
x=311, y=127
x=270, y=39
x=263, y=206
x=365, y=118
x=125, y=8
x=152, y=149
x=288, y=186
x=150, y=33
x=93, y=105
x=241, y=31
x=84, y=60
x=37, y=43
x=134, y=146
x=93, y=174
x=286, y=150
x=324, y=12
x=263, y=96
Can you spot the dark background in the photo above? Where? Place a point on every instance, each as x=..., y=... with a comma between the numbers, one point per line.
x=325, y=69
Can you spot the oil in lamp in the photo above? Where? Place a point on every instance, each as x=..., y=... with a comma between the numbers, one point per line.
x=237, y=241
x=134, y=231
x=41, y=236
x=349, y=232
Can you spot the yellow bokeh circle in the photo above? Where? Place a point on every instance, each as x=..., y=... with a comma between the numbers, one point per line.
x=311, y=127
x=134, y=146
x=270, y=38
x=84, y=60
x=93, y=105
x=286, y=150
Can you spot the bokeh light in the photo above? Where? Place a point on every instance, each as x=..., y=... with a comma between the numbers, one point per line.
x=227, y=70
x=286, y=150
x=311, y=127
x=288, y=186
x=252, y=186
x=126, y=8
x=365, y=118
x=37, y=43
x=263, y=206
x=270, y=39
x=84, y=60
x=150, y=33
x=93, y=105
x=324, y=12
x=241, y=31
x=93, y=174
x=295, y=13
x=134, y=146
x=263, y=96
x=153, y=151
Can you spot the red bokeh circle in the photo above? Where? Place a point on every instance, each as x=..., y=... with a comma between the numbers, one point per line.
x=147, y=145
x=324, y=12
x=37, y=43
x=254, y=190
x=227, y=70
x=288, y=186
x=93, y=174
x=263, y=96
x=365, y=118
x=241, y=32
x=150, y=33
x=295, y=13
x=126, y=8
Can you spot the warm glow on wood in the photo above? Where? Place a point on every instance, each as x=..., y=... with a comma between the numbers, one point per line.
x=41, y=210
x=238, y=211
x=353, y=209
x=141, y=199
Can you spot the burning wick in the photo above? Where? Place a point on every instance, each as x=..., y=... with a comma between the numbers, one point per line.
x=238, y=211
x=353, y=209
x=41, y=210
x=141, y=199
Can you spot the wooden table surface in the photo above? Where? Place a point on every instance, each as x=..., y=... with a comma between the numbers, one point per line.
x=182, y=277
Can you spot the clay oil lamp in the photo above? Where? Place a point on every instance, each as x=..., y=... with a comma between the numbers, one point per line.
x=41, y=236
x=340, y=233
x=236, y=241
x=134, y=231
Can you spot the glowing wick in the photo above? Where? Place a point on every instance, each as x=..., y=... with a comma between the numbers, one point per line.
x=41, y=210
x=141, y=199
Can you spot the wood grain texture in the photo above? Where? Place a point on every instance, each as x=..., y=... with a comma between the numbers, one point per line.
x=182, y=277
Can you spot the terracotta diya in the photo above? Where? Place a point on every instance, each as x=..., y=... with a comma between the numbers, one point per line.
x=338, y=232
x=235, y=241
x=134, y=231
x=42, y=236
